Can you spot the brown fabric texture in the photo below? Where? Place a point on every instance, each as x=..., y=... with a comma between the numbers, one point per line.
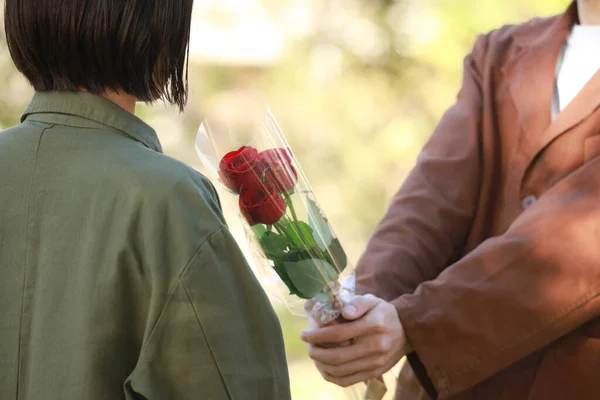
x=489, y=251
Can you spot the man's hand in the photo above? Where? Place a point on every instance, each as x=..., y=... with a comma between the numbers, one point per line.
x=377, y=342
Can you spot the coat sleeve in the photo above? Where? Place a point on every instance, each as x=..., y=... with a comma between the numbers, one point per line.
x=515, y=293
x=429, y=218
x=217, y=336
x=210, y=331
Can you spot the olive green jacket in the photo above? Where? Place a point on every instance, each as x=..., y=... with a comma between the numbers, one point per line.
x=118, y=276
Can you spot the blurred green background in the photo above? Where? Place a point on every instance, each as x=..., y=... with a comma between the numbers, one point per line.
x=356, y=86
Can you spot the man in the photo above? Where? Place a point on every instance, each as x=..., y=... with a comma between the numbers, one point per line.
x=486, y=267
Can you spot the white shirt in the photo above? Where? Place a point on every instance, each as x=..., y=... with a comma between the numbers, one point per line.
x=578, y=62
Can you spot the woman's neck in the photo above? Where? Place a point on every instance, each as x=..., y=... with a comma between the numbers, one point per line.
x=589, y=12
x=123, y=100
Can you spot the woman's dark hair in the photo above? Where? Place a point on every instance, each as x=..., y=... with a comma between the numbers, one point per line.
x=137, y=46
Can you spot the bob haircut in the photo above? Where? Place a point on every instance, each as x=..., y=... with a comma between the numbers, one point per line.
x=136, y=46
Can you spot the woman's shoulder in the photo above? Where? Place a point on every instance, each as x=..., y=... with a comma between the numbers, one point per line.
x=161, y=182
x=163, y=169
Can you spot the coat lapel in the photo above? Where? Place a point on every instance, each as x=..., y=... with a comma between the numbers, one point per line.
x=578, y=109
x=584, y=104
x=530, y=73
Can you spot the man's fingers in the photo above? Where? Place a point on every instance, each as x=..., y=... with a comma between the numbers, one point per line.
x=359, y=306
x=369, y=347
x=338, y=355
x=313, y=324
x=350, y=380
x=332, y=345
x=379, y=342
x=361, y=376
x=369, y=324
x=337, y=333
x=353, y=367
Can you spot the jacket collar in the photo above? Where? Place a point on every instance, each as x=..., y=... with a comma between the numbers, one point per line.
x=87, y=110
x=554, y=29
x=530, y=74
x=530, y=70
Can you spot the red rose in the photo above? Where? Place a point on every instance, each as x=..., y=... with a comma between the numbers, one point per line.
x=262, y=205
x=241, y=169
x=279, y=170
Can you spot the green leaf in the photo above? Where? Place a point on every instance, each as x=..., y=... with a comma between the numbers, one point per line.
x=259, y=230
x=321, y=230
x=273, y=244
x=340, y=260
x=300, y=235
x=310, y=276
x=280, y=269
x=298, y=255
x=322, y=297
x=324, y=237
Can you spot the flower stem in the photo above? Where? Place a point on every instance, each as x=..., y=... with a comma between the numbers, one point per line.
x=295, y=221
x=282, y=232
x=290, y=204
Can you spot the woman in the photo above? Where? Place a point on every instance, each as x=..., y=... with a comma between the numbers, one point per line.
x=119, y=277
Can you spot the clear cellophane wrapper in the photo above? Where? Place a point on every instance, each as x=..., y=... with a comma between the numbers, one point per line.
x=296, y=255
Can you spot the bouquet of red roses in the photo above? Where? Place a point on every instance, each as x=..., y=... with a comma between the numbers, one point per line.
x=285, y=226
x=304, y=253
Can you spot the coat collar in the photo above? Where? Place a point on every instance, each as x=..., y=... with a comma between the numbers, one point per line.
x=530, y=73
x=87, y=110
x=531, y=76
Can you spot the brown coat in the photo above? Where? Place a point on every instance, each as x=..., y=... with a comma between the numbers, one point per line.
x=490, y=251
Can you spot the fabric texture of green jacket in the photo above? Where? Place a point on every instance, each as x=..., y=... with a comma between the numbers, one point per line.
x=119, y=278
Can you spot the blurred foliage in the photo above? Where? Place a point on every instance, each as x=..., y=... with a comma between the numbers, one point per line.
x=357, y=89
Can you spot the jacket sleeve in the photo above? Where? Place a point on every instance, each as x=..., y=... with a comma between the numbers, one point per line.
x=515, y=293
x=217, y=336
x=430, y=216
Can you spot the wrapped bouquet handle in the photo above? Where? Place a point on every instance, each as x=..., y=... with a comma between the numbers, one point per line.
x=293, y=247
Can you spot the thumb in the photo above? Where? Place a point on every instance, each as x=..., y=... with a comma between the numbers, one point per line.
x=359, y=306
